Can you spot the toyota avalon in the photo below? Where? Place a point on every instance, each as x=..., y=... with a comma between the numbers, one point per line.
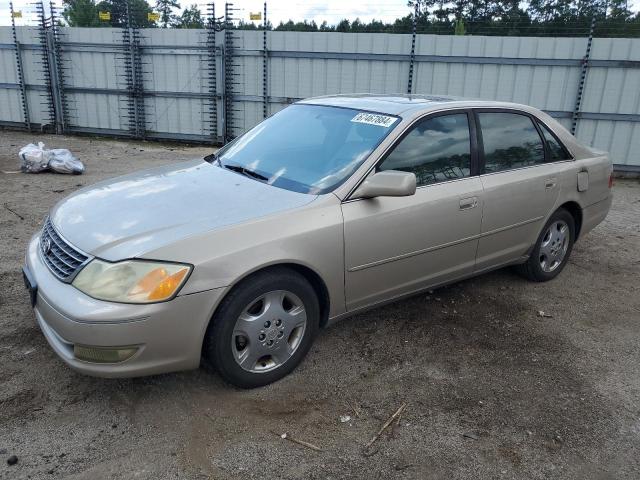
x=331, y=206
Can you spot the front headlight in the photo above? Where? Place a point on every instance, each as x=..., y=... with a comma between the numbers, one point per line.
x=131, y=281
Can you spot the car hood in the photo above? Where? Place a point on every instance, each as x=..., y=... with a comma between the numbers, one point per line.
x=130, y=215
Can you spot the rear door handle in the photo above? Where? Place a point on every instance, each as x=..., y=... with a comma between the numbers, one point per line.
x=467, y=203
x=550, y=183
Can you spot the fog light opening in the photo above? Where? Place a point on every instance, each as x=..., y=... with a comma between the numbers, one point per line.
x=102, y=354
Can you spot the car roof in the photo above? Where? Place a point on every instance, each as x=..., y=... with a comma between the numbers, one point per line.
x=412, y=106
x=404, y=104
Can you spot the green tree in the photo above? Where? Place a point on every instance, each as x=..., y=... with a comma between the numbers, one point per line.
x=619, y=10
x=138, y=10
x=81, y=13
x=165, y=7
x=344, y=25
x=242, y=25
x=304, y=26
x=190, y=18
x=495, y=17
x=424, y=6
x=550, y=10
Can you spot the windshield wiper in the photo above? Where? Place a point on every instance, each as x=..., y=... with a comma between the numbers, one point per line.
x=244, y=171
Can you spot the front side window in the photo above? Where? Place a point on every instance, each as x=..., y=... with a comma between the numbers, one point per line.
x=437, y=149
x=556, y=150
x=307, y=148
x=510, y=141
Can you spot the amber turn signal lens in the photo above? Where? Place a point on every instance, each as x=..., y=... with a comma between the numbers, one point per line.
x=150, y=280
x=167, y=286
x=158, y=284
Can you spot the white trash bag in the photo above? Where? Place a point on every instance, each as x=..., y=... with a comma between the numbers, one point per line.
x=63, y=161
x=35, y=159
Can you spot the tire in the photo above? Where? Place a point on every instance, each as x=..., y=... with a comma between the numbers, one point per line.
x=543, y=265
x=263, y=328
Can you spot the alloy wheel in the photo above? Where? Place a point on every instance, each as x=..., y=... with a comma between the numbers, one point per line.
x=268, y=331
x=553, y=248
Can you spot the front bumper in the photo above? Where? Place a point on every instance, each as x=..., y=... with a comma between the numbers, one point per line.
x=169, y=334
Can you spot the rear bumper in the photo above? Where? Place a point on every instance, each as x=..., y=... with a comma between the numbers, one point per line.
x=594, y=214
x=168, y=335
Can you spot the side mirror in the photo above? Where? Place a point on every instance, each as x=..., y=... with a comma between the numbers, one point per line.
x=389, y=183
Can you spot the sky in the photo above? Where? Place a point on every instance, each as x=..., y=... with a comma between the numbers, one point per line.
x=278, y=10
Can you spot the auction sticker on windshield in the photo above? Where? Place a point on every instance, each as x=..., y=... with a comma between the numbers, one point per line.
x=374, y=119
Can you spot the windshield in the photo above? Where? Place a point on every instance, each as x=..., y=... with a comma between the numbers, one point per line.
x=307, y=148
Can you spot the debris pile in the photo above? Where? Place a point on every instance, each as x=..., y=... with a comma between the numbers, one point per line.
x=36, y=159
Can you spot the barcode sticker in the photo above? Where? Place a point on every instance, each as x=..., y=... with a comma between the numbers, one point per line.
x=374, y=119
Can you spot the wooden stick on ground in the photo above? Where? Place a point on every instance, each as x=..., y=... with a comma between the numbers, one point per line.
x=386, y=424
x=299, y=442
x=355, y=409
x=14, y=212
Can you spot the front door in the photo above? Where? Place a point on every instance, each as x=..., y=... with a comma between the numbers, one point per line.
x=395, y=246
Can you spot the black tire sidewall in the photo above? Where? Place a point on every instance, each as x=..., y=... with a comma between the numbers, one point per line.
x=218, y=342
x=534, y=263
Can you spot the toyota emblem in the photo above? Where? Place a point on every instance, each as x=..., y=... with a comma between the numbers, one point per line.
x=46, y=246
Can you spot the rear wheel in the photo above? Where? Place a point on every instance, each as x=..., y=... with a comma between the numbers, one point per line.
x=551, y=252
x=263, y=328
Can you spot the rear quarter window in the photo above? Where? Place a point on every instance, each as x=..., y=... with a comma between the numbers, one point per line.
x=557, y=151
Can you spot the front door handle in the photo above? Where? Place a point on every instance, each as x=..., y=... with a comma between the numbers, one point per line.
x=467, y=203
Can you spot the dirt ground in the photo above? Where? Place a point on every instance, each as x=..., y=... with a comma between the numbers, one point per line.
x=493, y=389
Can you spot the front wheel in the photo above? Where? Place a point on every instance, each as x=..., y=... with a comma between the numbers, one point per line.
x=263, y=328
x=551, y=252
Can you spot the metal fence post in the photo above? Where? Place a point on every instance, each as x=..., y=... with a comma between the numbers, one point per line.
x=56, y=91
x=57, y=78
x=583, y=78
x=265, y=66
x=413, y=49
x=133, y=74
x=211, y=69
x=229, y=73
x=20, y=72
x=45, y=60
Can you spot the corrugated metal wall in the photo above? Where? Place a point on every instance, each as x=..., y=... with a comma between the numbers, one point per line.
x=96, y=65
x=31, y=55
x=614, y=90
x=543, y=72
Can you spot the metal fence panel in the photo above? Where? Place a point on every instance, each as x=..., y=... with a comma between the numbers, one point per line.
x=32, y=71
x=178, y=100
x=613, y=90
x=305, y=77
x=10, y=103
x=91, y=62
x=173, y=62
x=528, y=84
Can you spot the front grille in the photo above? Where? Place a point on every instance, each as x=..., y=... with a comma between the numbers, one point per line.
x=63, y=260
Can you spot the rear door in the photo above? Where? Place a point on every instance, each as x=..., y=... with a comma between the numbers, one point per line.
x=520, y=185
x=395, y=246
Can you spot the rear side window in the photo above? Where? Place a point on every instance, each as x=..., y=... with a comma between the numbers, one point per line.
x=510, y=141
x=556, y=150
x=437, y=149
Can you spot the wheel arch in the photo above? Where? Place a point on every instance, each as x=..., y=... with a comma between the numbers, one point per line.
x=312, y=276
x=576, y=212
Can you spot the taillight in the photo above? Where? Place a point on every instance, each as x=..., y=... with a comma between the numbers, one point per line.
x=611, y=180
